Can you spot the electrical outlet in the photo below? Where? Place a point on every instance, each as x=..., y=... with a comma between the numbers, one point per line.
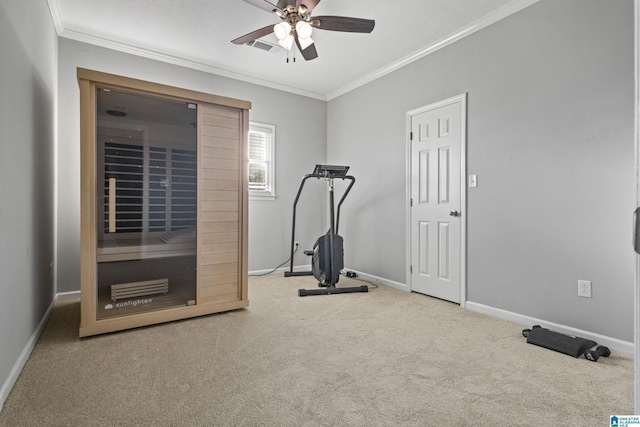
x=584, y=288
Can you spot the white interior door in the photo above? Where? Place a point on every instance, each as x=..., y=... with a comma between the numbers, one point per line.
x=436, y=192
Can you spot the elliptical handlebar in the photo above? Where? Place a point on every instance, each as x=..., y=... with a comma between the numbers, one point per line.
x=344, y=195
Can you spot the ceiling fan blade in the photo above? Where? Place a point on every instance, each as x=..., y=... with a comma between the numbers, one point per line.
x=254, y=35
x=309, y=5
x=264, y=5
x=309, y=53
x=343, y=23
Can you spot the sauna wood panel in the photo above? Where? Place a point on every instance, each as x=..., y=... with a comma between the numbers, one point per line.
x=218, y=258
x=222, y=208
x=220, y=227
x=220, y=195
x=218, y=217
x=225, y=289
x=222, y=268
x=220, y=153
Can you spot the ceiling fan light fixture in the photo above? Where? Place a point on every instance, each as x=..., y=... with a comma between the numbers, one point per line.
x=287, y=42
x=303, y=29
x=282, y=30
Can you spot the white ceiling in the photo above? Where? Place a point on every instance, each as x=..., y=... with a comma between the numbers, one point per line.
x=198, y=34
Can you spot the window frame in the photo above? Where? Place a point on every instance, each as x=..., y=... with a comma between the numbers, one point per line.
x=270, y=131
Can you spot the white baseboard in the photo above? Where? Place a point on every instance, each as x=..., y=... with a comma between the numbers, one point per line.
x=280, y=270
x=63, y=296
x=379, y=280
x=613, y=343
x=24, y=356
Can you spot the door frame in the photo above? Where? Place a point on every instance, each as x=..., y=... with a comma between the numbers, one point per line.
x=462, y=99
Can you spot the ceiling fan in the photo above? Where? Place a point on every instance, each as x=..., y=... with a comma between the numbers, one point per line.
x=297, y=25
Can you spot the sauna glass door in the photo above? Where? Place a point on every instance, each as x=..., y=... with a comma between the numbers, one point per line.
x=146, y=202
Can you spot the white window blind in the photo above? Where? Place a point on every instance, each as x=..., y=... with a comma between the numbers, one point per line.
x=261, y=160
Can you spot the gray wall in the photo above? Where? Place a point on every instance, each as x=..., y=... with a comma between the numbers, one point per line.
x=300, y=144
x=550, y=135
x=28, y=47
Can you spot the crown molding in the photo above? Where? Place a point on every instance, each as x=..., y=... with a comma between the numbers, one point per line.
x=195, y=65
x=505, y=11
x=499, y=14
x=56, y=16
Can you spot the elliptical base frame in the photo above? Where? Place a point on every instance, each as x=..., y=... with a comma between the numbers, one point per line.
x=332, y=290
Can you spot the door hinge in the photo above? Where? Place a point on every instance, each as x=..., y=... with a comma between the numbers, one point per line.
x=410, y=203
x=411, y=269
x=411, y=136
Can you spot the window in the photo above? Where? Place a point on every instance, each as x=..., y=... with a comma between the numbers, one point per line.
x=261, y=161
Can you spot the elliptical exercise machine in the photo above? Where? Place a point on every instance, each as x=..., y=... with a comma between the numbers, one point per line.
x=328, y=251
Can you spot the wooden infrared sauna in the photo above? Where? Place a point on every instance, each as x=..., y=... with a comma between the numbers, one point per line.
x=163, y=203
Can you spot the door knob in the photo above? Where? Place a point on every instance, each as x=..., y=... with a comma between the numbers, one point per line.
x=454, y=213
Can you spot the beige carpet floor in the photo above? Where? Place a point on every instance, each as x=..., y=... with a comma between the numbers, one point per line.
x=381, y=358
